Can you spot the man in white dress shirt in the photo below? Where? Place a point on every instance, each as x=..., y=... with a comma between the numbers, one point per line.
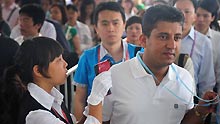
x=31, y=17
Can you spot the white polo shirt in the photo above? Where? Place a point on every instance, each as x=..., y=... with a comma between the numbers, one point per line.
x=136, y=99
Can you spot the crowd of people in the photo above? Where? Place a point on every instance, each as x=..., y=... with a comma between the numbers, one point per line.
x=164, y=55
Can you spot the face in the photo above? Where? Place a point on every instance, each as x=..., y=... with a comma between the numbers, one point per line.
x=110, y=26
x=133, y=32
x=56, y=14
x=72, y=15
x=89, y=9
x=57, y=71
x=203, y=20
x=163, y=44
x=45, y=5
x=27, y=27
x=188, y=10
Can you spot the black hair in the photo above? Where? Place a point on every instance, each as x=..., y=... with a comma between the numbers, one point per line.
x=132, y=20
x=212, y=7
x=63, y=12
x=159, y=13
x=83, y=6
x=37, y=51
x=35, y=11
x=194, y=2
x=72, y=7
x=24, y=2
x=112, y=6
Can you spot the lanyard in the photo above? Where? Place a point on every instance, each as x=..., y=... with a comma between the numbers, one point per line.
x=126, y=55
x=58, y=115
x=193, y=45
x=208, y=102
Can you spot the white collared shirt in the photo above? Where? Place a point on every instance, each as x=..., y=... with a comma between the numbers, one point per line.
x=136, y=99
x=54, y=99
x=47, y=30
x=202, y=57
x=21, y=39
x=215, y=39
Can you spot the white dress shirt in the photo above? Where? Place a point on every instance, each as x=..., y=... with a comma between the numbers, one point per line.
x=47, y=30
x=54, y=99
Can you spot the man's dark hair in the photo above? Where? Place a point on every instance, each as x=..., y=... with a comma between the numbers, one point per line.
x=132, y=20
x=112, y=6
x=34, y=11
x=194, y=2
x=72, y=7
x=212, y=7
x=158, y=13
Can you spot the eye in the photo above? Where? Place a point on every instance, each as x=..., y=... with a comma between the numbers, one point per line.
x=187, y=11
x=115, y=23
x=177, y=38
x=163, y=37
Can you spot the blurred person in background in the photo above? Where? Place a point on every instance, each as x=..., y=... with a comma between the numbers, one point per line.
x=82, y=29
x=133, y=30
x=4, y=27
x=10, y=12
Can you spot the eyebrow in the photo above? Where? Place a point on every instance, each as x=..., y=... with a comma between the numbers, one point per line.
x=115, y=20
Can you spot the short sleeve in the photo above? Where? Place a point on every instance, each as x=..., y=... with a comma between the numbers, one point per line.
x=42, y=117
x=80, y=76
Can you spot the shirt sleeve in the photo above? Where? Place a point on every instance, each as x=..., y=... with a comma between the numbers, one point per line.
x=81, y=74
x=91, y=120
x=42, y=117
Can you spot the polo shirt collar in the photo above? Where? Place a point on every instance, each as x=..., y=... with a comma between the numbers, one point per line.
x=104, y=52
x=44, y=98
x=209, y=33
x=138, y=70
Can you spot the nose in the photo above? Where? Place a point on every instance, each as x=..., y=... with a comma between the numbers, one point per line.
x=171, y=44
x=110, y=27
x=65, y=63
x=199, y=18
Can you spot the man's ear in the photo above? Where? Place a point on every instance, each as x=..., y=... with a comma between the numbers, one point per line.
x=36, y=71
x=143, y=39
x=38, y=26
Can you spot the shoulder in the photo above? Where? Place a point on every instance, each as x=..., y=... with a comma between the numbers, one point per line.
x=92, y=50
x=182, y=72
x=201, y=37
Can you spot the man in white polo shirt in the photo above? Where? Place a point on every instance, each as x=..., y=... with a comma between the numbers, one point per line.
x=150, y=89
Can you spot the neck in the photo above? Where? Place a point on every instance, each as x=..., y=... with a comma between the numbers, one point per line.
x=185, y=32
x=71, y=23
x=30, y=36
x=115, y=49
x=203, y=31
x=158, y=71
x=45, y=86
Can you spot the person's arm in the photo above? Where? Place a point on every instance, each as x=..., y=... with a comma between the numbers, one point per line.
x=101, y=84
x=76, y=43
x=79, y=101
x=198, y=113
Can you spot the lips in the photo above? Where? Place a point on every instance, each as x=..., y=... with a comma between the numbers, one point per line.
x=169, y=54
